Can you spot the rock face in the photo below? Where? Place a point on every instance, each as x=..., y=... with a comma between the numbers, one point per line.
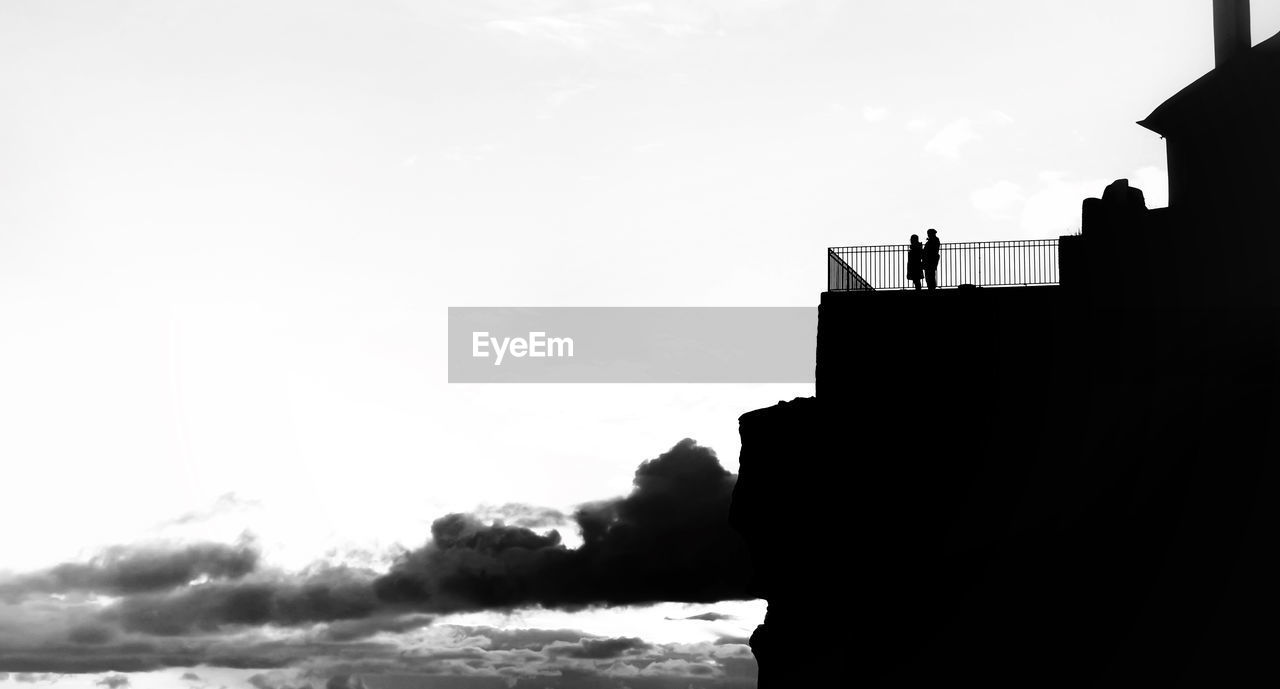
x=1047, y=486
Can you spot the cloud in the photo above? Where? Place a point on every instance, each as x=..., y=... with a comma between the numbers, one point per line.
x=275, y=679
x=324, y=595
x=598, y=649
x=669, y=540
x=1055, y=207
x=948, y=141
x=875, y=114
x=127, y=570
x=527, y=516
x=678, y=667
x=495, y=639
x=440, y=656
x=226, y=503
x=345, y=682
x=350, y=630
x=587, y=662
x=705, y=617
x=215, y=605
x=113, y=682
x=997, y=198
x=90, y=635
x=257, y=649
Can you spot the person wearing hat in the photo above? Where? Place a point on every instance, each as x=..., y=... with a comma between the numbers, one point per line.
x=932, y=254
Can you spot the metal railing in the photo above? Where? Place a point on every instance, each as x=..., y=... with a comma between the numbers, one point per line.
x=982, y=264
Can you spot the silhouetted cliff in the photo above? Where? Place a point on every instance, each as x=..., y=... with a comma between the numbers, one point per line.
x=1017, y=487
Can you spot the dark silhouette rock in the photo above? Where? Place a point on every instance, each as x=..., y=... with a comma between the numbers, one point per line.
x=1073, y=516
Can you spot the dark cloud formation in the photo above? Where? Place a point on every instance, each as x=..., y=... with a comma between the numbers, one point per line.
x=327, y=594
x=351, y=630
x=113, y=682
x=248, y=650
x=704, y=617
x=275, y=680
x=469, y=659
x=126, y=570
x=213, y=605
x=451, y=656
x=138, y=656
x=599, y=649
x=669, y=540
x=345, y=682
x=90, y=634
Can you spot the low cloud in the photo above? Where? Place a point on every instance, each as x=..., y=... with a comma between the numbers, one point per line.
x=669, y=540
x=143, y=609
x=1052, y=205
x=1055, y=207
x=345, y=682
x=951, y=138
x=90, y=635
x=328, y=594
x=351, y=630
x=527, y=516
x=125, y=570
x=705, y=617
x=598, y=649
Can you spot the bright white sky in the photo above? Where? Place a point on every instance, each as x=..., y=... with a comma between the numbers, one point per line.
x=229, y=231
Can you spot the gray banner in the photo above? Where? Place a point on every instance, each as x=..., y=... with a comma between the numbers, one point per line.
x=632, y=344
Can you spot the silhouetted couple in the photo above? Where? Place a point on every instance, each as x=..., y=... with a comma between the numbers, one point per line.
x=924, y=260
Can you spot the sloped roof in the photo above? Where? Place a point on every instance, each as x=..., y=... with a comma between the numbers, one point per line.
x=1243, y=89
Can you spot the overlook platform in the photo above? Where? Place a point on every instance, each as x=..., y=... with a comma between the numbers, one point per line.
x=1015, y=263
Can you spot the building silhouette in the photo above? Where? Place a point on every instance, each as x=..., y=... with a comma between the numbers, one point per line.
x=1069, y=485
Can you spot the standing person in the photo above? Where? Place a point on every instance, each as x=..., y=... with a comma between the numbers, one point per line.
x=915, y=261
x=932, y=254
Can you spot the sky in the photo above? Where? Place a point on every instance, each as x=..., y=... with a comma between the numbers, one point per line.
x=230, y=232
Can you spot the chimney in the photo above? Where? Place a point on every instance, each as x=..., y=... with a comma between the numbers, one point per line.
x=1230, y=29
